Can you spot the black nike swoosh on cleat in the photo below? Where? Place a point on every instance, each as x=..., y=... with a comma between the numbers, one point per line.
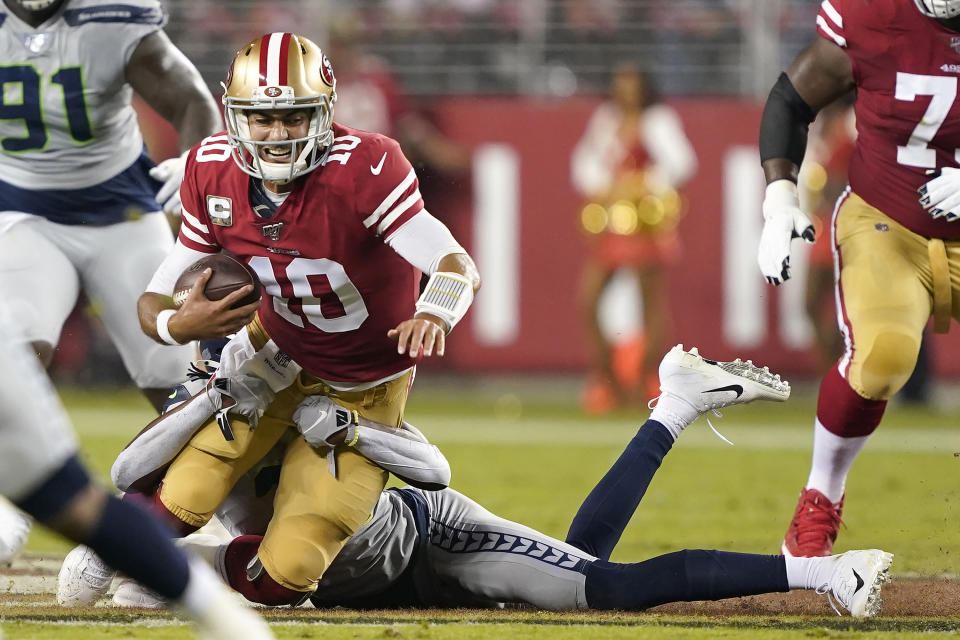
x=736, y=388
x=860, y=582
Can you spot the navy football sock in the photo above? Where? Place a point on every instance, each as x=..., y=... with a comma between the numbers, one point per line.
x=602, y=517
x=683, y=576
x=128, y=539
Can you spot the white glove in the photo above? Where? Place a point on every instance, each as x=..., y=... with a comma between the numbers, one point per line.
x=783, y=221
x=318, y=417
x=170, y=173
x=269, y=363
x=941, y=195
x=251, y=396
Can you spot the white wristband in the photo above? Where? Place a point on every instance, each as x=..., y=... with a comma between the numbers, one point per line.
x=448, y=296
x=163, y=319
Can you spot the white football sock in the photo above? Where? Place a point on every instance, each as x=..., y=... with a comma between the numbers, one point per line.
x=832, y=457
x=808, y=573
x=674, y=413
x=196, y=598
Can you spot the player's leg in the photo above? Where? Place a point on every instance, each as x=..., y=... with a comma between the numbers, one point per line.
x=40, y=472
x=852, y=580
x=690, y=385
x=656, y=305
x=884, y=302
x=319, y=504
x=39, y=287
x=118, y=262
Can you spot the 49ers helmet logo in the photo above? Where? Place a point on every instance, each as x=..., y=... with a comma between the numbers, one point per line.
x=272, y=92
x=326, y=72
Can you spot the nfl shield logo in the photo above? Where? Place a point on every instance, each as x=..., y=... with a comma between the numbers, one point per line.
x=955, y=44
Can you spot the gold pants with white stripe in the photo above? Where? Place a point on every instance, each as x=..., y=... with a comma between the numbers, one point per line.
x=315, y=513
x=891, y=282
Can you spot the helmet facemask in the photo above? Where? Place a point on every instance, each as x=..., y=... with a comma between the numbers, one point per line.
x=314, y=146
x=942, y=9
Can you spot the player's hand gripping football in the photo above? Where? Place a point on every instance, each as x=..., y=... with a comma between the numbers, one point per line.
x=422, y=330
x=170, y=173
x=198, y=317
x=941, y=195
x=783, y=221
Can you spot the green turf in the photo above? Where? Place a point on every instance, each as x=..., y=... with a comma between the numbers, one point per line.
x=533, y=458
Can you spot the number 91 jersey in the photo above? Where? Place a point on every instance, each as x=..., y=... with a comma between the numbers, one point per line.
x=333, y=287
x=905, y=66
x=66, y=120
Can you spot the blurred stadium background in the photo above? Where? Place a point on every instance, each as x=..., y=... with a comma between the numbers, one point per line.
x=507, y=88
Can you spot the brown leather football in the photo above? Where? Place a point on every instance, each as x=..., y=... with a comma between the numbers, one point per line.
x=229, y=274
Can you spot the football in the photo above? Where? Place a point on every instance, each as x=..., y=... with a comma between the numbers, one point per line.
x=229, y=274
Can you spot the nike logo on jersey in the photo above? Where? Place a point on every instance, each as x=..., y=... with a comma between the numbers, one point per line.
x=736, y=388
x=375, y=170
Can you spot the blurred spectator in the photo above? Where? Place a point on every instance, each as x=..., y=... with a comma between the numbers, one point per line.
x=628, y=165
x=825, y=177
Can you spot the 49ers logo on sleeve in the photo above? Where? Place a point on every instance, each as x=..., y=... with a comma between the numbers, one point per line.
x=326, y=72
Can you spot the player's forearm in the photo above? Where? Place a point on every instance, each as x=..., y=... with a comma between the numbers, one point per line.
x=783, y=131
x=148, y=307
x=161, y=441
x=462, y=264
x=412, y=459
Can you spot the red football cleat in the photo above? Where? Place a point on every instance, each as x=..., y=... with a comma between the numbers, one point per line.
x=814, y=527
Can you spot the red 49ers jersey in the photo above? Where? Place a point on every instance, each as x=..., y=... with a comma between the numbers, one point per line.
x=905, y=66
x=333, y=288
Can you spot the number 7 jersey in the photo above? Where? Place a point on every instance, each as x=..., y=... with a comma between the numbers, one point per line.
x=333, y=287
x=66, y=120
x=905, y=66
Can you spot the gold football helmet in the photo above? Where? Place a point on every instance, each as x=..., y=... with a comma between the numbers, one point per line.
x=280, y=71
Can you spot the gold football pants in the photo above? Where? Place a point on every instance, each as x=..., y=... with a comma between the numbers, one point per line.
x=315, y=513
x=891, y=282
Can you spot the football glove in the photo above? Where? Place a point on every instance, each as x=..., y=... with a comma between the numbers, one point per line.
x=783, y=221
x=941, y=195
x=240, y=356
x=251, y=396
x=318, y=417
x=170, y=173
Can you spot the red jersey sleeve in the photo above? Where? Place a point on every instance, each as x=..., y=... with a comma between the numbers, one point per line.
x=195, y=228
x=830, y=21
x=390, y=196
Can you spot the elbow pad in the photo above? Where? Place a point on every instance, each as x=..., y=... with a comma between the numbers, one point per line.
x=783, y=128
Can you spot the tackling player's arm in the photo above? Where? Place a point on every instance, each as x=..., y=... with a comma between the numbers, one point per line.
x=819, y=75
x=172, y=86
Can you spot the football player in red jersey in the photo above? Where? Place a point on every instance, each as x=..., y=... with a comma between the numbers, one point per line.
x=332, y=221
x=895, y=236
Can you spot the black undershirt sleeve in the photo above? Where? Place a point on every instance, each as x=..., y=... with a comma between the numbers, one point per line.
x=783, y=128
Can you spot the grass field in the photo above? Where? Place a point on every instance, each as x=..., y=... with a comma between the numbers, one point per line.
x=528, y=453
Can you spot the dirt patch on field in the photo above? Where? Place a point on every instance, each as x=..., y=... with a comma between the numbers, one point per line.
x=901, y=598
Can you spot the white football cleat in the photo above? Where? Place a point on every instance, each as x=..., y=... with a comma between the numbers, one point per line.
x=856, y=581
x=14, y=530
x=707, y=385
x=130, y=593
x=83, y=578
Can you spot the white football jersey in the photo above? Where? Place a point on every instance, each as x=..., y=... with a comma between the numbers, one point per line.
x=66, y=120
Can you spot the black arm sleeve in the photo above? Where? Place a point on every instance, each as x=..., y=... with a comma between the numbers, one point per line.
x=786, y=118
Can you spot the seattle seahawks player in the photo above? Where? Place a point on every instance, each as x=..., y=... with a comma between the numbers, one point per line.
x=41, y=472
x=440, y=548
x=79, y=200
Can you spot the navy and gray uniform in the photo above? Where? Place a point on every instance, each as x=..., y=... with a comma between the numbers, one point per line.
x=440, y=548
x=77, y=207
